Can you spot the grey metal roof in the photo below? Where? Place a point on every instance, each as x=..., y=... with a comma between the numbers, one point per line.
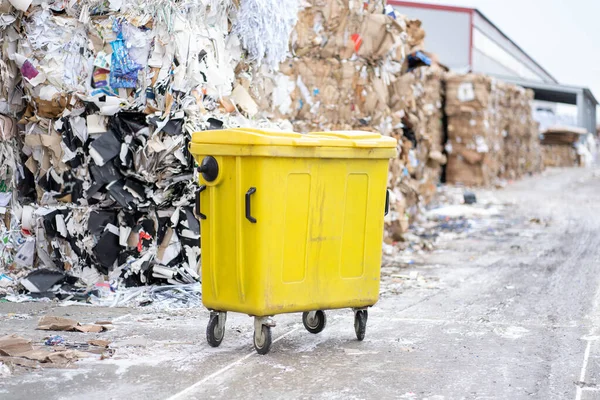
x=553, y=91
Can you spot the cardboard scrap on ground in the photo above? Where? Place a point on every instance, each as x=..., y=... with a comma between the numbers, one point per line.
x=51, y=323
x=11, y=345
x=19, y=351
x=98, y=342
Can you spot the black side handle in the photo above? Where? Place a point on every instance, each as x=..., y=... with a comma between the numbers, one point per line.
x=201, y=189
x=387, y=202
x=249, y=193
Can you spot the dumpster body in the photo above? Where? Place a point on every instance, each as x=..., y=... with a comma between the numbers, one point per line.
x=291, y=222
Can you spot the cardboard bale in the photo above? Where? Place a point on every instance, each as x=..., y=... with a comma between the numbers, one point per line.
x=329, y=28
x=490, y=130
x=562, y=135
x=468, y=94
x=416, y=100
x=557, y=155
x=345, y=58
x=329, y=92
x=522, y=152
x=465, y=173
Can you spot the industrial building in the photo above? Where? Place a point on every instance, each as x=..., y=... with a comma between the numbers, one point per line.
x=465, y=40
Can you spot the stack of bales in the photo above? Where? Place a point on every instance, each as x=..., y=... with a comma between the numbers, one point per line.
x=343, y=58
x=491, y=132
x=475, y=142
x=522, y=148
x=416, y=100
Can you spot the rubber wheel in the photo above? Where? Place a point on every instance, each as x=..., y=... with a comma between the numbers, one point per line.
x=262, y=340
x=214, y=335
x=360, y=323
x=316, y=324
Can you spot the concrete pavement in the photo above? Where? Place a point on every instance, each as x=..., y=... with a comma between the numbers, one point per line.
x=509, y=312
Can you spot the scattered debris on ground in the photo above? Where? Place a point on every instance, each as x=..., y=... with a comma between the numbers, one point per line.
x=16, y=351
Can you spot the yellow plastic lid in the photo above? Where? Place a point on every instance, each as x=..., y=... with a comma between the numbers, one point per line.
x=269, y=142
x=357, y=138
x=270, y=137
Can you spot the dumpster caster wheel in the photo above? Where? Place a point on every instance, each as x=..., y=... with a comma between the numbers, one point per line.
x=314, y=321
x=262, y=340
x=360, y=323
x=216, y=328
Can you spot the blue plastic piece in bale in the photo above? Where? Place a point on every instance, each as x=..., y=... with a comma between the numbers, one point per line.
x=418, y=59
x=123, y=70
x=389, y=11
x=106, y=91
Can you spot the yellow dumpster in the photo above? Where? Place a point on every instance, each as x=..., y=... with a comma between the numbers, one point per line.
x=290, y=223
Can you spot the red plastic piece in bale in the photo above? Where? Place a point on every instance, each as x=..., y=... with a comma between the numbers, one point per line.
x=355, y=37
x=143, y=235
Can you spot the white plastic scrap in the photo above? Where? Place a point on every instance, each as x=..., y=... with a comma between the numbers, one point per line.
x=264, y=27
x=161, y=297
x=24, y=257
x=282, y=98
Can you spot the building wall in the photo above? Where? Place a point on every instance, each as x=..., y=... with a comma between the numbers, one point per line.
x=465, y=40
x=587, y=112
x=448, y=34
x=489, y=57
x=501, y=54
x=485, y=64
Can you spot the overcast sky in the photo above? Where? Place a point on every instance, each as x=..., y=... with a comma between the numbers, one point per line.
x=562, y=36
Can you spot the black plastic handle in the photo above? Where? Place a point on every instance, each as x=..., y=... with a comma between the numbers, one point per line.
x=387, y=202
x=249, y=216
x=201, y=189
